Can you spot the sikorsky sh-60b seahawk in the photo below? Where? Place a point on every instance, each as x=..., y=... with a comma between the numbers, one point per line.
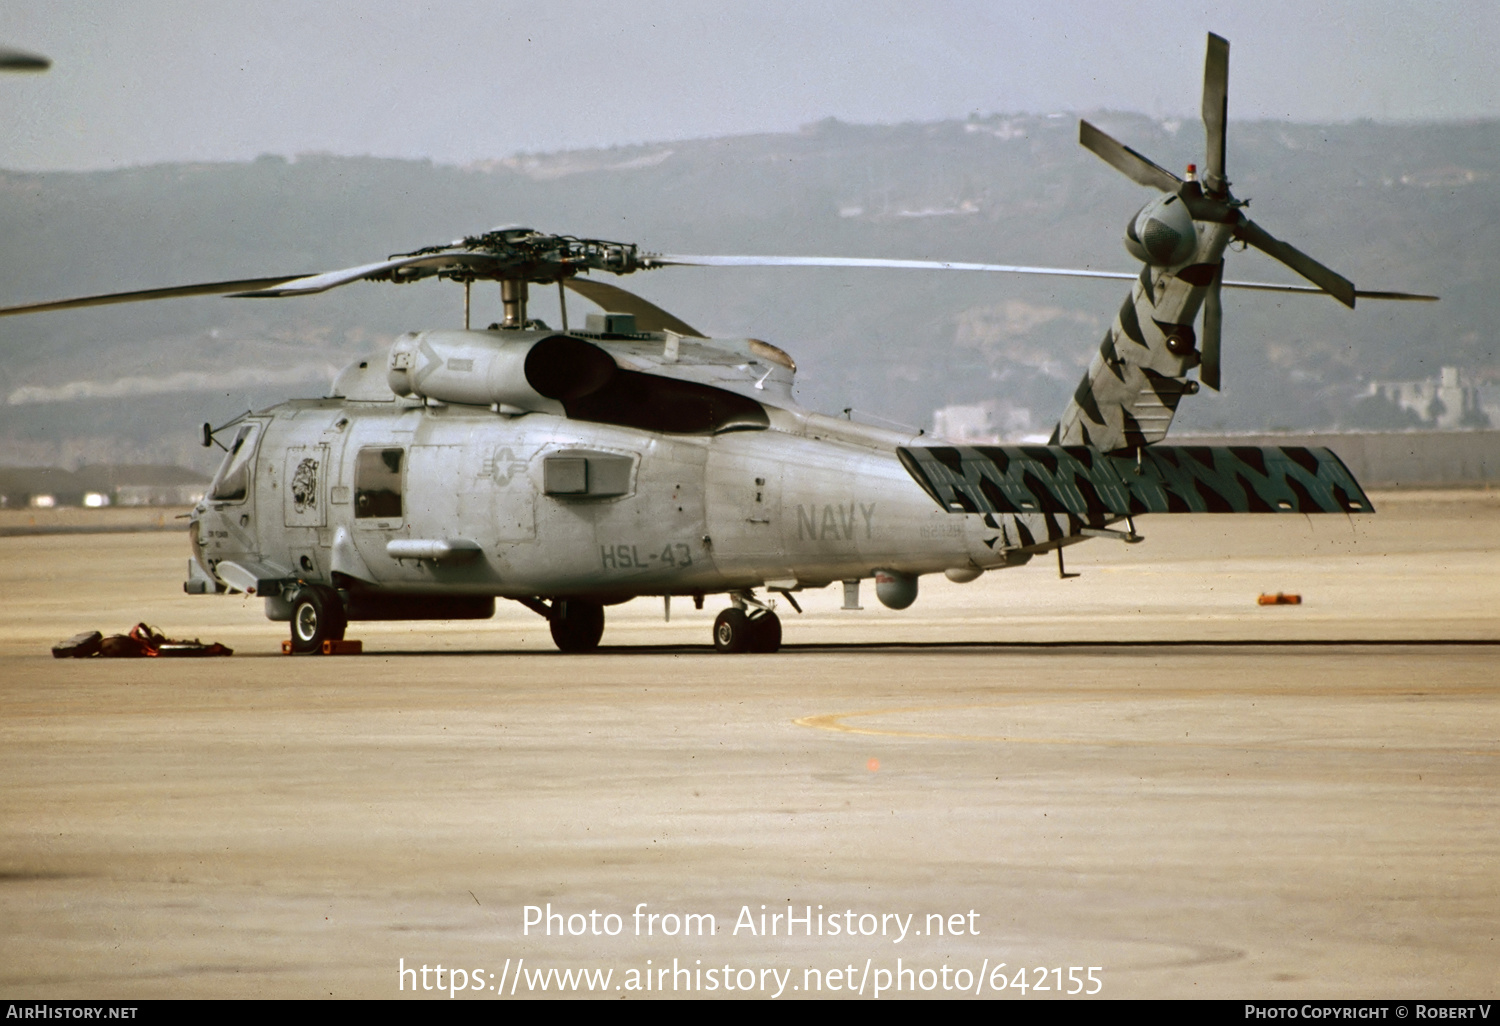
x=569, y=470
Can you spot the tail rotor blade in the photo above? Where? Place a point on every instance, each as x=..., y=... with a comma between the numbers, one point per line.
x=1215, y=111
x=1336, y=285
x=1213, y=323
x=1125, y=160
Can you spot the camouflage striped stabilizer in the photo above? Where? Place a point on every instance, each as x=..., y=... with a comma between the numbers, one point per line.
x=1094, y=486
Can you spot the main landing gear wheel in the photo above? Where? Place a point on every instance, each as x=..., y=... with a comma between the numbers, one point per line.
x=736, y=631
x=732, y=631
x=317, y=616
x=765, y=633
x=576, y=625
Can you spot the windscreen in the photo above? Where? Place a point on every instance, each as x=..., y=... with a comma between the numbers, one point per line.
x=232, y=483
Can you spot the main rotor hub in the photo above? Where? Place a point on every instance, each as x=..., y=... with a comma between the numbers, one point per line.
x=526, y=255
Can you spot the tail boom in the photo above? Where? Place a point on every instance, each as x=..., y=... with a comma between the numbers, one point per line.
x=1130, y=393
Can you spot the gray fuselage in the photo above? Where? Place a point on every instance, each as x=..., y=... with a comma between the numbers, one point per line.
x=461, y=500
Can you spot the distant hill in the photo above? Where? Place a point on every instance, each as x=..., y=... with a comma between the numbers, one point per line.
x=1410, y=207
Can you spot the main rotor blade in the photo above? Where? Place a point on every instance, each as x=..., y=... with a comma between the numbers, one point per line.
x=648, y=316
x=911, y=265
x=1326, y=278
x=1215, y=110
x=1213, y=324
x=258, y=287
x=20, y=60
x=206, y=289
x=1261, y=286
x=413, y=268
x=1125, y=160
x=939, y=265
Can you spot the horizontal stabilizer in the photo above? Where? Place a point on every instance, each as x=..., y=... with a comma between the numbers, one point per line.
x=1093, y=485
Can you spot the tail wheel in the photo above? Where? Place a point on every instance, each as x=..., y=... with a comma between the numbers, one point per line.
x=317, y=616
x=765, y=633
x=576, y=625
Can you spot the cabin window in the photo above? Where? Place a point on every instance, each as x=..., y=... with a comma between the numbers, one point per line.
x=377, y=483
x=232, y=482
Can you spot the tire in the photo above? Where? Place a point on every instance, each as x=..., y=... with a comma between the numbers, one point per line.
x=765, y=633
x=732, y=631
x=576, y=625
x=317, y=616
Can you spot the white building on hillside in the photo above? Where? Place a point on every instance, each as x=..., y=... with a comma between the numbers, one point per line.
x=988, y=423
x=1449, y=401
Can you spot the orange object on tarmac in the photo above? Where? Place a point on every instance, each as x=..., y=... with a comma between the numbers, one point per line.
x=329, y=648
x=1280, y=599
x=143, y=640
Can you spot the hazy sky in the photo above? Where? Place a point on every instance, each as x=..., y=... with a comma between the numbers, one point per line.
x=141, y=81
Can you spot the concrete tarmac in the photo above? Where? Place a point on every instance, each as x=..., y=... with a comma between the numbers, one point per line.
x=1139, y=770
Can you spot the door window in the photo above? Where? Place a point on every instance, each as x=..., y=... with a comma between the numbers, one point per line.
x=377, y=483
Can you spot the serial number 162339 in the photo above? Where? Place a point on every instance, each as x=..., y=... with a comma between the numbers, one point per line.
x=630, y=557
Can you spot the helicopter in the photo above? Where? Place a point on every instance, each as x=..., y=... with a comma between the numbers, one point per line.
x=575, y=468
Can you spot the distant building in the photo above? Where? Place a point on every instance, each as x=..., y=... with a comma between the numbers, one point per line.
x=988, y=423
x=965, y=425
x=97, y=486
x=1448, y=402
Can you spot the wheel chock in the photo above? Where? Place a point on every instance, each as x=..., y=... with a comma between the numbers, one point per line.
x=329, y=648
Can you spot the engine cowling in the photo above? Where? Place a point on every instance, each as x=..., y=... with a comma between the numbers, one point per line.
x=1162, y=233
x=516, y=371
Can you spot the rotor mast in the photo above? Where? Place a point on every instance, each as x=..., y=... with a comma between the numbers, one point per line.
x=513, y=299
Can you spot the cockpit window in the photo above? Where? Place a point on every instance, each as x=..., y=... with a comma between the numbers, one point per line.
x=232, y=483
x=377, y=483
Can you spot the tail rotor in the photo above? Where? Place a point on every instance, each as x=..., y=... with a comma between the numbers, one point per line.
x=1209, y=202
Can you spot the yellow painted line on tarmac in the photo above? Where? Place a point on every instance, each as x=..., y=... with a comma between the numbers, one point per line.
x=836, y=722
